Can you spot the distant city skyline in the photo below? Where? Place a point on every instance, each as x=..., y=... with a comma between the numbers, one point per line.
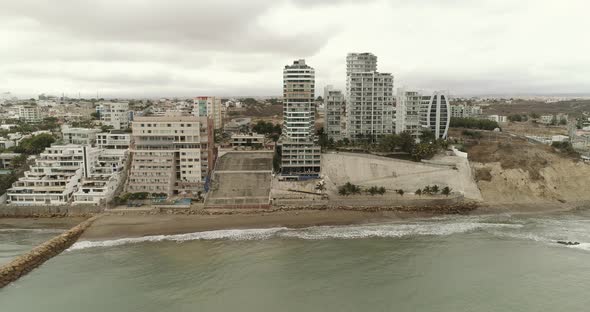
x=184, y=48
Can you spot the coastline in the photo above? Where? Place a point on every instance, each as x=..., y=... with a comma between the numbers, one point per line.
x=117, y=226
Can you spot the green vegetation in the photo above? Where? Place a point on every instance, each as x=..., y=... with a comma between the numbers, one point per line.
x=20, y=165
x=432, y=190
x=473, y=123
x=535, y=116
x=35, y=145
x=400, y=192
x=349, y=189
x=376, y=190
x=473, y=134
x=566, y=148
x=269, y=129
x=518, y=118
x=446, y=191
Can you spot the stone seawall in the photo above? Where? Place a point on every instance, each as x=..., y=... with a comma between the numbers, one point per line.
x=23, y=264
x=9, y=211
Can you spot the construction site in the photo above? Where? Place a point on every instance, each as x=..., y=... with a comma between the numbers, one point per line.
x=241, y=180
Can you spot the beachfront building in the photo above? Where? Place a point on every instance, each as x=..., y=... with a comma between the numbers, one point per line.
x=171, y=155
x=408, y=112
x=61, y=170
x=29, y=113
x=209, y=106
x=370, y=104
x=114, y=140
x=436, y=114
x=114, y=114
x=300, y=155
x=334, y=111
x=104, y=176
x=81, y=136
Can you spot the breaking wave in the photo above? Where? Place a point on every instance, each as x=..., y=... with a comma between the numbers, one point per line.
x=310, y=233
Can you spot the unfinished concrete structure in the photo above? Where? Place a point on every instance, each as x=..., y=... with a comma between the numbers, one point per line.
x=241, y=180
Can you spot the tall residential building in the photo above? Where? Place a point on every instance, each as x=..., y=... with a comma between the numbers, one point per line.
x=436, y=114
x=29, y=113
x=333, y=113
x=171, y=155
x=408, y=108
x=209, y=106
x=464, y=111
x=61, y=170
x=114, y=114
x=370, y=103
x=360, y=63
x=300, y=156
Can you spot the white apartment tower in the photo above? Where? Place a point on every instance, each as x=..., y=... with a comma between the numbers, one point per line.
x=171, y=155
x=408, y=110
x=29, y=113
x=369, y=98
x=209, y=106
x=300, y=156
x=114, y=114
x=436, y=113
x=333, y=113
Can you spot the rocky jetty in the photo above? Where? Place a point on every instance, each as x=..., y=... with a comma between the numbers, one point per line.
x=25, y=263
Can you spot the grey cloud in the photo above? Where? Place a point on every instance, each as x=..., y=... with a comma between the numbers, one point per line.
x=220, y=25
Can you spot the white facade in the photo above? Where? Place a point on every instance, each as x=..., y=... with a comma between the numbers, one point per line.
x=99, y=184
x=465, y=111
x=29, y=113
x=300, y=156
x=497, y=118
x=369, y=105
x=334, y=110
x=408, y=110
x=81, y=136
x=6, y=160
x=209, y=106
x=115, y=115
x=170, y=155
x=113, y=140
x=436, y=114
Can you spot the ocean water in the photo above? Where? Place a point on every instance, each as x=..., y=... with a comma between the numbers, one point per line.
x=498, y=263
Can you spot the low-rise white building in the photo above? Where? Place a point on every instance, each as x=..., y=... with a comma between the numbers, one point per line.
x=6, y=143
x=6, y=160
x=113, y=140
x=247, y=140
x=113, y=114
x=497, y=118
x=81, y=136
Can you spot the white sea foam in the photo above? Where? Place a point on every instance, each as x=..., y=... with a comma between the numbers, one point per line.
x=247, y=234
x=390, y=230
x=311, y=233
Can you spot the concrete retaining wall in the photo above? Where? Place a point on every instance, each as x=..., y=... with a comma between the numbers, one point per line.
x=48, y=211
x=34, y=258
x=372, y=201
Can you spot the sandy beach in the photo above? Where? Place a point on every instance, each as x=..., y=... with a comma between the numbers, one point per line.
x=113, y=226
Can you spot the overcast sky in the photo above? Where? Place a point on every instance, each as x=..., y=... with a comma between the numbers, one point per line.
x=147, y=48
